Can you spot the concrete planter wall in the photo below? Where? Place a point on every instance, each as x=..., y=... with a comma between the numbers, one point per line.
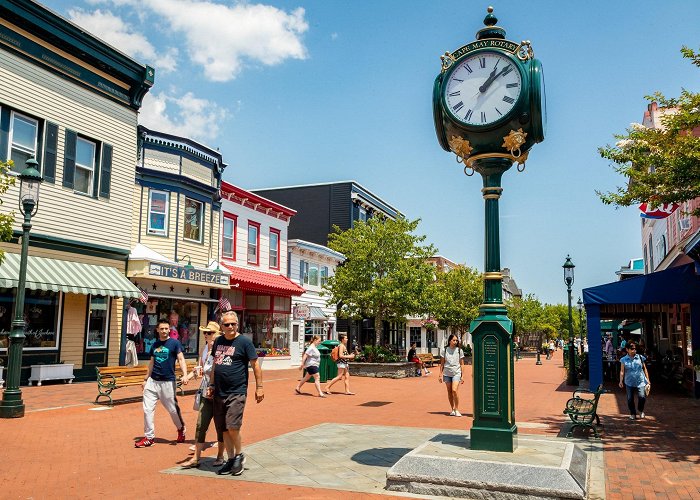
x=275, y=362
x=383, y=370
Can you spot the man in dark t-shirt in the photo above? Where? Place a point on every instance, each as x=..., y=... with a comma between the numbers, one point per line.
x=229, y=386
x=160, y=384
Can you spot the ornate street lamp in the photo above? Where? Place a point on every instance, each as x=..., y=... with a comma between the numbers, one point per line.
x=579, y=304
x=569, y=280
x=30, y=180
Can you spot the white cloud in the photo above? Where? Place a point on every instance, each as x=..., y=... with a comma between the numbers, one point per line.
x=186, y=116
x=113, y=30
x=220, y=38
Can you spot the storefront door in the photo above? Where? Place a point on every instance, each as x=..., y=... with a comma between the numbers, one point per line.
x=297, y=344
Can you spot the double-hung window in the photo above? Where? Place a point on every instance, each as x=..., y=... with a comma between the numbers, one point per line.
x=324, y=275
x=84, y=165
x=24, y=132
x=303, y=272
x=253, y=243
x=87, y=164
x=274, y=249
x=313, y=275
x=158, y=212
x=228, y=238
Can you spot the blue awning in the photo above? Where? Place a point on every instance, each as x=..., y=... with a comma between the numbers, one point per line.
x=678, y=285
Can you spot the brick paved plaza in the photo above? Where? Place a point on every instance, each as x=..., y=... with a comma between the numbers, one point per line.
x=66, y=447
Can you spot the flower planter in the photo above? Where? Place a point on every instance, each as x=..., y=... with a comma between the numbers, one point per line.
x=51, y=372
x=383, y=370
x=275, y=362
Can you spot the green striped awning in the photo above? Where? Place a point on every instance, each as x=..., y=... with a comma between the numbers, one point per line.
x=69, y=277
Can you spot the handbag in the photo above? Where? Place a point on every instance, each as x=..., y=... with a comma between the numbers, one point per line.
x=200, y=393
x=647, y=389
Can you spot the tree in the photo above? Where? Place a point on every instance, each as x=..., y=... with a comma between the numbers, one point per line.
x=662, y=164
x=455, y=297
x=526, y=314
x=6, y=219
x=385, y=274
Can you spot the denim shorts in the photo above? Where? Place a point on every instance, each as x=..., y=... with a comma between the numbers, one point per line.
x=447, y=379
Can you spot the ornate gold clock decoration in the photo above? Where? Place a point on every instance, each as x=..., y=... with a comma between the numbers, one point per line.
x=513, y=141
x=524, y=51
x=461, y=148
x=447, y=60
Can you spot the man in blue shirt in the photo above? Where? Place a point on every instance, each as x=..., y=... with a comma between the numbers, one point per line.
x=160, y=384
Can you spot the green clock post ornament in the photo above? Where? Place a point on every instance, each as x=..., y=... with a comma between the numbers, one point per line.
x=489, y=110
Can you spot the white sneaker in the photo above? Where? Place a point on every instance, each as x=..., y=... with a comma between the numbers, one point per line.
x=452, y=413
x=457, y=413
x=633, y=417
x=642, y=415
x=427, y=372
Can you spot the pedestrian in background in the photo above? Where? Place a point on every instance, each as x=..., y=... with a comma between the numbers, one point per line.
x=311, y=360
x=160, y=384
x=635, y=378
x=452, y=372
x=413, y=358
x=203, y=404
x=343, y=368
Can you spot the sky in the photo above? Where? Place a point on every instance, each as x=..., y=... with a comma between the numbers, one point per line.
x=299, y=92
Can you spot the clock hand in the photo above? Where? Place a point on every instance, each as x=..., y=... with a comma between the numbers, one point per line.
x=490, y=80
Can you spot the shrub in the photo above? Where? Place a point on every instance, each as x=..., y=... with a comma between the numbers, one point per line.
x=377, y=354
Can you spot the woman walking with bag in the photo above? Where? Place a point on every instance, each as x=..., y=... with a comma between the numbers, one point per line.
x=205, y=405
x=311, y=360
x=343, y=369
x=451, y=372
x=635, y=378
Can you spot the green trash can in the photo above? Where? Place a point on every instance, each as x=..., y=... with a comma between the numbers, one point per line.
x=328, y=368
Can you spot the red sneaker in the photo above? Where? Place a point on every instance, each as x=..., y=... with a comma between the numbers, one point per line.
x=180, y=435
x=144, y=443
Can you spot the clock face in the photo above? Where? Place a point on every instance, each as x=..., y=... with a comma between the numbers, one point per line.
x=483, y=88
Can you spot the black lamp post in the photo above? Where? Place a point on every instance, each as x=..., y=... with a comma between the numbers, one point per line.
x=12, y=405
x=579, y=304
x=569, y=280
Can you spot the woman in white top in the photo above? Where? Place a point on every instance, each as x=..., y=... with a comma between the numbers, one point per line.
x=451, y=372
x=311, y=362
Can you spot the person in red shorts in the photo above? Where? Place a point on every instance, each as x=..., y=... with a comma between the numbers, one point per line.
x=413, y=358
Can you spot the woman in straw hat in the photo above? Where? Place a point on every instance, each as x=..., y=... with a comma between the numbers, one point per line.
x=203, y=404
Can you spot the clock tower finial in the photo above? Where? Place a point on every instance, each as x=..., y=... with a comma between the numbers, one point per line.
x=491, y=30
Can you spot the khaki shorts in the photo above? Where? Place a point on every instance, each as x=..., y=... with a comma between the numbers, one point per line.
x=228, y=413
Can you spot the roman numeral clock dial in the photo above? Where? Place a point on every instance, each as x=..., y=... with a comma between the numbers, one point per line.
x=482, y=89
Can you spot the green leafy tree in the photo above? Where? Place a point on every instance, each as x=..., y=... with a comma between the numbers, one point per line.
x=526, y=313
x=455, y=298
x=662, y=164
x=385, y=274
x=6, y=219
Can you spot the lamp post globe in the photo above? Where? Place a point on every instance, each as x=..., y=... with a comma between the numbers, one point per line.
x=569, y=266
x=12, y=405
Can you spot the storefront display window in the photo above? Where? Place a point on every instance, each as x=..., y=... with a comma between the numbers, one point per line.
x=268, y=331
x=194, y=219
x=183, y=317
x=41, y=311
x=315, y=327
x=98, y=322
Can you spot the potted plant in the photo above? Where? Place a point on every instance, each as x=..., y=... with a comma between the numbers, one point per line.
x=430, y=324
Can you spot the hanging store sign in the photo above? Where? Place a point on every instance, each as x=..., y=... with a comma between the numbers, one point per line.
x=302, y=311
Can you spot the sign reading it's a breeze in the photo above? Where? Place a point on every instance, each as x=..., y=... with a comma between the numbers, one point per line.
x=302, y=311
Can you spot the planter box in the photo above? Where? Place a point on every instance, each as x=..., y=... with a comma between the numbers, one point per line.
x=51, y=372
x=275, y=362
x=383, y=370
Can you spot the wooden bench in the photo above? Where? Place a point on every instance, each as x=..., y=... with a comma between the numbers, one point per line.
x=110, y=378
x=427, y=358
x=583, y=410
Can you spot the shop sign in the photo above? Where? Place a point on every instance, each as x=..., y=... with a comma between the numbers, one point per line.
x=302, y=311
x=177, y=272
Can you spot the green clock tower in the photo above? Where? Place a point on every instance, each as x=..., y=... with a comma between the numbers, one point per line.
x=489, y=110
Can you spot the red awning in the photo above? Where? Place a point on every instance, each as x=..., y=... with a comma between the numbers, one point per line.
x=258, y=281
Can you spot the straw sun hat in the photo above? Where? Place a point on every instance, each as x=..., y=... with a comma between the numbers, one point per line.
x=212, y=326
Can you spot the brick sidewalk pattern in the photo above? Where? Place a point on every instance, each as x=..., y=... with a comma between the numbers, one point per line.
x=66, y=447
